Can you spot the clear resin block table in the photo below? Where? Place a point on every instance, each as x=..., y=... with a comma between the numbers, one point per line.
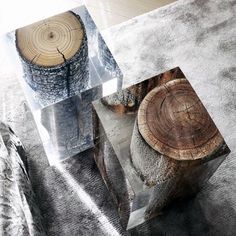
x=56, y=60
x=155, y=144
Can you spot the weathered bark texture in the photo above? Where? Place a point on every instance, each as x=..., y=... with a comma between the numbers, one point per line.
x=62, y=121
x=69, y=123
x=174, y=122
x=128, y=100
x=175, y=146
x=20, y=215
x=54, y=54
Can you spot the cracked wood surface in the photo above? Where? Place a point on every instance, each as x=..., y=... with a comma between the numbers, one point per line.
x=20, y=214
x=52, y=41
x=174, y=122
x=54, y=55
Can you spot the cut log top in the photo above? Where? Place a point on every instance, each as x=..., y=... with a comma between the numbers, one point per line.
x=174, y=122
x=52, y=41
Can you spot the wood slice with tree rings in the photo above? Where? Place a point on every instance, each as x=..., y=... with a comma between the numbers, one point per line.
x=174, y=122
x=54, y=53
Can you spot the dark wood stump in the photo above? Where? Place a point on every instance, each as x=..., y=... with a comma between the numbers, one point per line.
x=173, y=139
x=54, y=54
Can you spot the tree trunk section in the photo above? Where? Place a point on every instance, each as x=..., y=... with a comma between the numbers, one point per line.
x=54, y=54
x=173, y=139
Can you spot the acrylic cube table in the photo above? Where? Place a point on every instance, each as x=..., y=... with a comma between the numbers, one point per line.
x=58, y=61
x=155, y=144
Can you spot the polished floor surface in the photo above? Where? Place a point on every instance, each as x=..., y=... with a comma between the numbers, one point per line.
x=106, y=13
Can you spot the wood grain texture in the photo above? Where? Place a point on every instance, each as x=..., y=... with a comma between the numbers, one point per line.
x=52, y=41
x=54, y=55
x=174, y=122
x=175, y=145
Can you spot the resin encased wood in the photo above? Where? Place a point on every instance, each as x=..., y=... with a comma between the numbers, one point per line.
x=55, y=63
x=154, y=176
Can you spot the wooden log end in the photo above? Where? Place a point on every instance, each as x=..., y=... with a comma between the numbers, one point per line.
x=50, y=42
x=174, y=122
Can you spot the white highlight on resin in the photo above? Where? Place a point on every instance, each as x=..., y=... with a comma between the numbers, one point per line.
x=109, y=87
x=88, y=202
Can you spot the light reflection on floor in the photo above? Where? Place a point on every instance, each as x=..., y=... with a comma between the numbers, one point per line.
x=108, y=228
